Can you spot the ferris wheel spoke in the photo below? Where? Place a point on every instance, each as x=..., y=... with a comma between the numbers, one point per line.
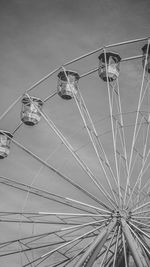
x=142, y=206
x=87, y=205
x=142, y=172
x=111, y=251
x=144, y=198
x=133, y=247
x=81, y=163
x=145, y=90
x=103, y=250
x=29, y=218
x=139, y=126
x=132, y=166
x=140, y=182
x=65, y=177
x=116, y=247
x=91, y=254
x=86, y=224
x=141, y=212
x=48, y=254
x=140, y=230
x=42, y=193
x=138, y=222
x=144, y=155
x=141, y=192
x=140, y=217
x=113, y=129
x=73, y=247
x=91, y=130
x=10, y=107
x=144, y=159
x=80, y=252
x=29, y=249
x=109, y=260
x=136, y=121
x=140, y=241
x=31, y=239
x=35, y=238
x=121, y=128
x=124, y=250
x=32, y=222
x=130, y=188
x=39, y=217
x=85, y=248
x=95, y=139
x=73, y=215
x=108, y=248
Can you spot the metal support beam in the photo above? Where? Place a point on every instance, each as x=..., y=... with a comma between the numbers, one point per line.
x=91, y=254
x=133, y=247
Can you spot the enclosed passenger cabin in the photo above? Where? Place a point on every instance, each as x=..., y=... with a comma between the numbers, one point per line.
x=67, y=84
x=146, y=55
x=4, y=143
x=30, y=114
x=109, y=64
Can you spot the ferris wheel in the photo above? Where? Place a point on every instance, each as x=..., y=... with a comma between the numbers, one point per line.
x=75, y=170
